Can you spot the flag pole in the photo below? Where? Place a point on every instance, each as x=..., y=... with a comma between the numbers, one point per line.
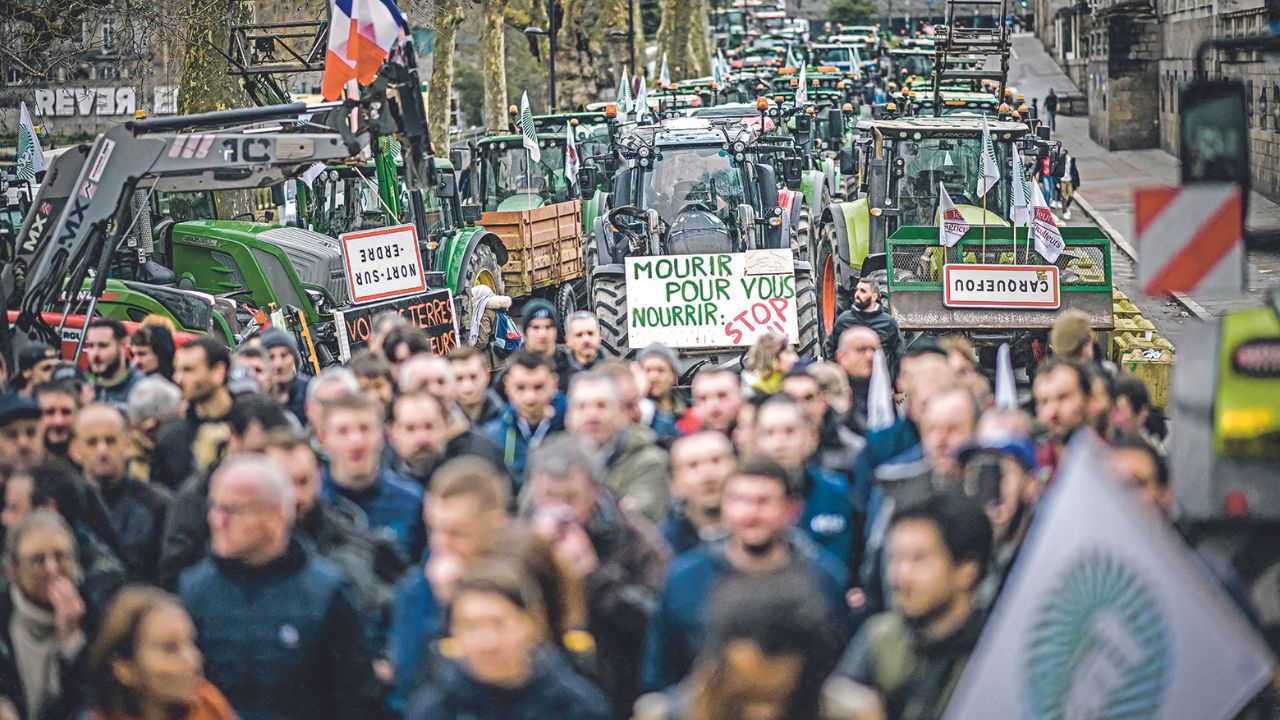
x=984, y=220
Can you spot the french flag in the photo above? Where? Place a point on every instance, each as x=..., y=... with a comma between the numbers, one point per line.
x=361, y=34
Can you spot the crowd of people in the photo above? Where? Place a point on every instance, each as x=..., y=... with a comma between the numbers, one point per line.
x=207, y=532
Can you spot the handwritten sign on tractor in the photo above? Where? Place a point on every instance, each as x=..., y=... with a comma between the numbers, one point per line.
x=1001, y=286
x=717, y=300
x=432, y=311
x=383, y=263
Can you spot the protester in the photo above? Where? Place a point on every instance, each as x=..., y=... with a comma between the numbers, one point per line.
x=856, y=355
x=1061, y=390
x=374, y=376
x=472, y=393
x=1142, y=468
x=35, y=367
x=288, y=383
x=1133, y=414
x=838, y=447
x=582, y=342
x=144, y=663
x=58, y=403
x=717, y=399
x=1068, y=180
x=768, y=359
x=104, y=347
x=662, y=367
x=259, y=589
x=154, y=404
x=947, y=425
x=200, y=369
x=1051, y=109
x=151, y=350
x=868, y=311
x=254, y=359
x=964, y=361
x=700, y=466
x=529, y=415
x=423, y=438
x=431, y=373
x=332, y=383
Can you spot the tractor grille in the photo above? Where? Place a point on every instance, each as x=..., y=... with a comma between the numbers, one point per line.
x=316, y=258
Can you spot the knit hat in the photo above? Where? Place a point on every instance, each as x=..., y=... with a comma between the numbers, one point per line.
x=659, y=350
x=275, y=337
x=32, y=355
x=1071, y=332
x=535, y=309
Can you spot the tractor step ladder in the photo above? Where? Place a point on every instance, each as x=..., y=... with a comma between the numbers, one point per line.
x=988, y=46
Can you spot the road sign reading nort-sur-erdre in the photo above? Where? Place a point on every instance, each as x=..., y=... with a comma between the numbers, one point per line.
x=714, y=300
x=1032, y=287
x=382, y=264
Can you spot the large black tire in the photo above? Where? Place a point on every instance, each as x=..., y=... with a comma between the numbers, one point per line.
x=829, y=299
x=802, y=231
x=807, y=316
x=609, y=302
x=483, y=265
x=569, y=299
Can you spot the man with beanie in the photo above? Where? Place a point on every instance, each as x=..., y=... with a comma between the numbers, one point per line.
x=539, y=324
x=662, y=368
x=288, y=386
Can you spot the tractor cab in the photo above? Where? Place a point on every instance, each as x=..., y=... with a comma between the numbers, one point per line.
x=510, y=179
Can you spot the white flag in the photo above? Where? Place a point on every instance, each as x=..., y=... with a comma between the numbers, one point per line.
x=30, y=156
x=642, y=100
x=1045, y=235
x=990, y=166
x=802, y=90
x=571, y=163
x=1107, y=614
x=718, y=70
x=664, y=78
x=880, y=414
x=1020, y=198
x=951, y=224
x=528, y=130
x=1006, y=389
x=624, y=95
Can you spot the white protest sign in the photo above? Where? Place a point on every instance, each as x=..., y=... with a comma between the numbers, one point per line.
x=714, y=300
x=382, y=264
x=1001, y=286
x=1107, y=614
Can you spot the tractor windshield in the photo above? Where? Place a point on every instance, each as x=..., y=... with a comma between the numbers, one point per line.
x=510, y=170
x=956, y=162
x=841, y=57
x=921, y=65
x=693, y=178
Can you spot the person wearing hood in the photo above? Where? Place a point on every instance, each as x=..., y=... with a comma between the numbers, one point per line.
x=620, y=559
x=506, y=669
x=867, y=310
x=636, y=468
x=288, y=383
x=35, y=367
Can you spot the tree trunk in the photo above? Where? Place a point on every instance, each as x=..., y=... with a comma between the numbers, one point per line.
x=440, y=92
x=673, y=37
x=492, y=48
x=637, y=33
x=580, y=68
x=698, y=61
x=206, y=85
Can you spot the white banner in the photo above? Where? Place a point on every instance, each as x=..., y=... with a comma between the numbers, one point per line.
x=1001, y=286
x=1107, y=615
x=382, y=264
x=705, y=301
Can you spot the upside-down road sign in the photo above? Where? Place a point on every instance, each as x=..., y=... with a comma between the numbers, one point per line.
x=1190, y=239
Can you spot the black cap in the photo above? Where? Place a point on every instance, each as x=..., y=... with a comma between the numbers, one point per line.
x=66, y=372
x=14, y=407
x=33, y=355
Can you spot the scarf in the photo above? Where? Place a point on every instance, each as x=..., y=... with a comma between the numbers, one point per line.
x=480, y=297
x=35, y=651
x=209, y=704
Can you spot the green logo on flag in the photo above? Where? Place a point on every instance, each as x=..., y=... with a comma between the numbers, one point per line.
x=1099, y=647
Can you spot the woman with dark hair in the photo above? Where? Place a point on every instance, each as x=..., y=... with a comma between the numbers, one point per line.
x=151, y=350
x=144, y=664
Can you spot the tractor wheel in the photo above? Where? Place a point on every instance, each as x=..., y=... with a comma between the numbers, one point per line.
x=568, y=299
x=807, y=316
x=482, y=269
x=827, y=287
x=609, y=301
x=802, y=232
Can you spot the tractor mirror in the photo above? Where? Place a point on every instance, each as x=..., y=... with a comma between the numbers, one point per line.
x=1043, y=132
x=792, y=172
x=447, y=186
x=1214, y=141
x=278, y=195
x=847, y=164
x=804, y=123
x=471, y=213
x=458, y=159
x=588, y=179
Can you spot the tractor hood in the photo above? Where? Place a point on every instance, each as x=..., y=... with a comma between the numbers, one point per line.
x=316, y=258
x=975, y=215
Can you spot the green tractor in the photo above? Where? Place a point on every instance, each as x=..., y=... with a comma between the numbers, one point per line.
x=695, y=251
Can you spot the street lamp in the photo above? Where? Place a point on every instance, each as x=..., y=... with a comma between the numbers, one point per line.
x=533, y=32
x=617, y=36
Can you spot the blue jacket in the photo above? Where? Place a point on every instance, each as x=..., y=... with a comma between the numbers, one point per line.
x=392, y=504
x=516, y=438
x=828, y=517
x=675, y=631
x=282, y=641
x=417, y=624
x=553, y=690
x=882, y=446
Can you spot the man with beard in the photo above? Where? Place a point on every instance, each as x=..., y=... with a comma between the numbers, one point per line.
x=58, y=403
x=1061, y=390
x=717, y=398
x=35, y=367
x=838, y=446
x=868, y=311
x=700, y=465
x=200, y=369
x=104, y=347
x=914, y=655
x=761, y=504
x=582, y=341
x=423, y=438
x=288, y=385
x=21, y=442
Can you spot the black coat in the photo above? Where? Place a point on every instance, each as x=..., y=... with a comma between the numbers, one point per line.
x=137, y=511
x=881, y=321
x=172, y=460
x=554, y=690
x=186, y=531
x=72, y=682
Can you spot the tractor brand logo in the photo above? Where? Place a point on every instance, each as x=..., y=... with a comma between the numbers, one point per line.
x=206, y=242
x=1099, y=646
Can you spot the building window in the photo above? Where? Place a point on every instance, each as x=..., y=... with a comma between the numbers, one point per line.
x=1248, y=108
x=12, y=76
x=1262, y=108
x=1275, y=108
x=108, y=72
x=108, y=35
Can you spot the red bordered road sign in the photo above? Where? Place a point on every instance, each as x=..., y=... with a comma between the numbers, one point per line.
x=1033, y=287
x=382, y=264
x=1190, y=239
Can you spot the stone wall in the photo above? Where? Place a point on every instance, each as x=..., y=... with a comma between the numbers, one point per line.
x=1122, y=71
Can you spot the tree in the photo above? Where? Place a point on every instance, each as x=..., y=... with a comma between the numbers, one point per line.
x=492, y=63
x=206, y=84
x=853, y=12
x=448, y=17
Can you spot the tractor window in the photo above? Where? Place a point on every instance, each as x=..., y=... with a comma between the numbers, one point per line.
x=841, y=57
x=185, y=206
x=956, y=162
x=509, y=170
x=921, y=65
x=692, y=178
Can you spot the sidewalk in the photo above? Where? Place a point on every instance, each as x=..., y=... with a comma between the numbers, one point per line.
x=1108, y=179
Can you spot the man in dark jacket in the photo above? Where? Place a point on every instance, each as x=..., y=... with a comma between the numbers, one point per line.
x=856, y=353
x=200, y=368
x=914, y=655
x=278, y=630
x=700, y=465
x=100, y=446
x=289, y=384
x=530, y=414
x=620, y=559
x=868, y=311
x=760, y=507
x=838, y=446
x=472, y=393
x=104, y=346
x=422, y=438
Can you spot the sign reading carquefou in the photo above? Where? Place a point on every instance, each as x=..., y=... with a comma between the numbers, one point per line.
x=717, y=300
x=431, y=311
x=1001, y=286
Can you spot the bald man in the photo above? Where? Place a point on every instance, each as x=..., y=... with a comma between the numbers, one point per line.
x=136, y=510
x=856, y=354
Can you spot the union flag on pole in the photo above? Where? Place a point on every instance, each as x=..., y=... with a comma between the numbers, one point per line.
x=951, y=224
x=361, y=35
x=1045, y=235
x=571, y=162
